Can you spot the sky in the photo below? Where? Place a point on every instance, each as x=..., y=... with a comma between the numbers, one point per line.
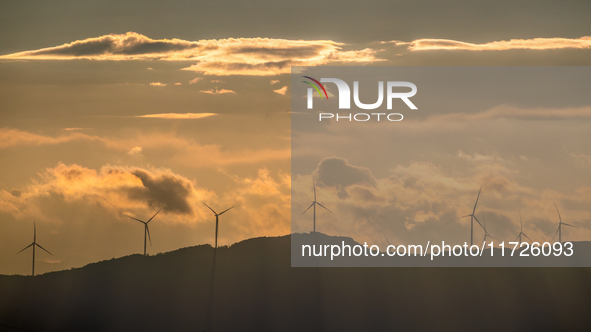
x=113, y=110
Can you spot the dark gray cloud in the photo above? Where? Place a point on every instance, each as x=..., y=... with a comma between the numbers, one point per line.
x=338, y=172
x=166, y=191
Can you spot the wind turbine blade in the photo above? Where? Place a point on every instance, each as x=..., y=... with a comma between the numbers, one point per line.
x=143, y=222
x=43, y=249
x=210, y=209
x=386, y=238
x=314, y=185
x=308, y=207
x=27, y=247
x=477, y=197
x=559, y=218
x=569, y=225
x=153, y=216
x=148, y=231
x=517, y=237
x=224, y=211
x=34, y=232
x=521, y=221
x=324, y=207
x=461, y=217
x=479, y=223
x=528, y=237
x=556, y=232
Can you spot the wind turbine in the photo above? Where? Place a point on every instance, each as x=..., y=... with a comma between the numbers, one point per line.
x=472, y=218
x=216, y=222
x=521, y=231
x=34, y=244
x=486, y=233
x=146, y=229
x=314, y=205
x=559, y=230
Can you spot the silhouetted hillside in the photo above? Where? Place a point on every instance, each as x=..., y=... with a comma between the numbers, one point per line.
x=256, y=290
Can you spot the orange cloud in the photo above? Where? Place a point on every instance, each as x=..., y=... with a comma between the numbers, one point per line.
x=157, y=84
x=177, y=115
x=232, y=56
x=503, y=45
x=216, y=91
x=14, y=137
x=281, y=91
x=184, y=151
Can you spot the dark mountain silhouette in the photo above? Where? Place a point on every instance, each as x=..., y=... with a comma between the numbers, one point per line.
x=256, y=289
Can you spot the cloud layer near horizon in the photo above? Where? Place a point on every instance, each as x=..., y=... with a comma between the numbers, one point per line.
x=427, y=44
x=232, y=56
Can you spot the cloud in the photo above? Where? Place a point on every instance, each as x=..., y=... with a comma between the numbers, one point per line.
x=217, y=81
x=503, y=45
x=512, y=112
x=178, y=83
x=195, y=80
x=421, y=201
x=281, y=91
x=157, y=84
x=135, y=151
x=232, y=56
x=184, y=151
x=216, y=91
x=177, y=115
x=114, y=188
x=274, y=82
x=334, y=171
x=14, y=137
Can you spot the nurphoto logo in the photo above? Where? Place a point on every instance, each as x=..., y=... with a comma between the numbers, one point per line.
x=344, y=98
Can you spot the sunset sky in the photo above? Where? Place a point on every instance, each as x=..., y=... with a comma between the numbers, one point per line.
x=111, y=109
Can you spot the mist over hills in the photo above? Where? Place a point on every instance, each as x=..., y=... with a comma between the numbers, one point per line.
x=256, y=289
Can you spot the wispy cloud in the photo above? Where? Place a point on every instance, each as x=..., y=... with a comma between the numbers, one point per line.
x=233, y=56
x=502, y=45
x=177, y=115
x=505, y=111
x=217, y=91
x=14, y=137
x=274, y=82
x=195, y=80
x=157, y=84
x=281, y=91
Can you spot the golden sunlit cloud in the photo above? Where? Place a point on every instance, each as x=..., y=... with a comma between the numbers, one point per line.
x=232, y=56
x=195, y=80
x=503, y=45
x=157, y=84
x=274, y=82
x=135, y=151
x=177, y=115
x=216, y=91
x=14, y=137
x=281, y=91
x=184, y=151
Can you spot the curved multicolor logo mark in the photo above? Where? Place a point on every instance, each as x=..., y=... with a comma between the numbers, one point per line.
x=315, y=87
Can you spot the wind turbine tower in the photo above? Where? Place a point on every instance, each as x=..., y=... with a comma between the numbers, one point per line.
x=217, y=215
x=314, y=203
x=521, y=231
x=34, y=244
x=472, y=218
x=146, y=229
x=559, y=230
